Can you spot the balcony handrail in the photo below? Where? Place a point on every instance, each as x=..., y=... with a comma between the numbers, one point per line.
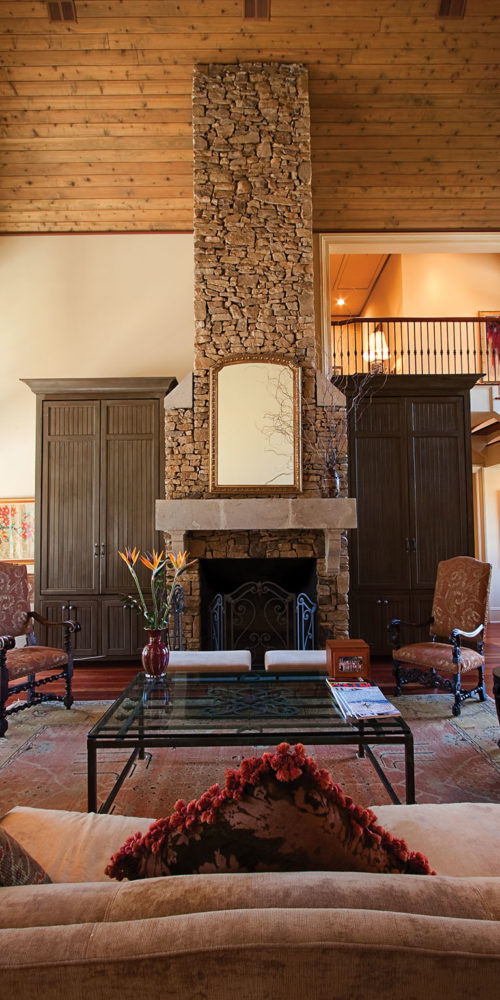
x=417, y=346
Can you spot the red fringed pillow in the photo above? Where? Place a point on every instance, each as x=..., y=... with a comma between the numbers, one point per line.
x=278, y=812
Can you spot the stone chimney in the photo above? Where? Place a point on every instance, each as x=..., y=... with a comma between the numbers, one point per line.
x=254, y=295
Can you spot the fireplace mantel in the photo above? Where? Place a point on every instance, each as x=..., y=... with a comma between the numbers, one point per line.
x=177, y=517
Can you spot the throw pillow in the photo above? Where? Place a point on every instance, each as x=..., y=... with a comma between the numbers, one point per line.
x=278, y=812
x=17, y=867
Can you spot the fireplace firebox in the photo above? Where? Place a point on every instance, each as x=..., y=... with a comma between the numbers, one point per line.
x=258, y=604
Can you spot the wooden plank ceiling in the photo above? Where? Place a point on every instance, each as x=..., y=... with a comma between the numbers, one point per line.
x=96, y=115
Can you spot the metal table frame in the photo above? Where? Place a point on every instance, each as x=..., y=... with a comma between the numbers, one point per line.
x=381, y=732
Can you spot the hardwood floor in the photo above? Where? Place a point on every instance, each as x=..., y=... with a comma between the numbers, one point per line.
x=104, y=682
x=107, y=681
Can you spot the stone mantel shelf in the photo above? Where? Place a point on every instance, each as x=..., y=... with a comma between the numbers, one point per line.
x=332, y=515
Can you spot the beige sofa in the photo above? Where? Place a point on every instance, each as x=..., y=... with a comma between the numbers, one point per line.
x=265, y=936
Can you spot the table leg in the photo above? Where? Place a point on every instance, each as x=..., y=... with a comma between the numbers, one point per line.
x=91, y=776
x=361, y=746
x=496, y=691
x=140, y=726
x=410, y=769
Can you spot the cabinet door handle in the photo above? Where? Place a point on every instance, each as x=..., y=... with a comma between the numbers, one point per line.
x=96, y=549
x=413, y=545
x=103, y=550
x=407, y=545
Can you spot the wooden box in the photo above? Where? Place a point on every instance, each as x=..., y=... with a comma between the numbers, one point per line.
x=348, y=659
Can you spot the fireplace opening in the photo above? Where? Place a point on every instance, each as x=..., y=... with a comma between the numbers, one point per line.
x=258, y=604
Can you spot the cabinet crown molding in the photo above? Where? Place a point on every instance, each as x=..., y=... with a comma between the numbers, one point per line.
x=108, y=386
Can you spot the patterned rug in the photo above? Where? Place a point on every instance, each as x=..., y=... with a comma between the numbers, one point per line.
x=43, y=761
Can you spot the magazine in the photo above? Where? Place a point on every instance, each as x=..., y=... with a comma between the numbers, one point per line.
x=360, y=701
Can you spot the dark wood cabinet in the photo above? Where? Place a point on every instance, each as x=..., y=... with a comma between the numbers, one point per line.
x=100, y=462
x=410, y=469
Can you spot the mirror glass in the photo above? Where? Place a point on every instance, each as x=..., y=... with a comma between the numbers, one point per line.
x=255, y=439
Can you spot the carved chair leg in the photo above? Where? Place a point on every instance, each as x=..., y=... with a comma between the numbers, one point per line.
x=457, y=704
x=30, y=694
x=396, y=673
x=68, y=698
x=481, y=687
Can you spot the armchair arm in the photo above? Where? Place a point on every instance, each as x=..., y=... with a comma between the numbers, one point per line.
x=455, y=638
x=7, y=642
x=71, y=626
x=68, y=627
x=458, y=633
x=394, y=629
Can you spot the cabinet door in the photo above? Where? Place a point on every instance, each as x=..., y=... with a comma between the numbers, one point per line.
x=70, y=498
x=82, y=610
x=421, y=608
x=138, y=636
x=379, y=480
x=370, y=615
x=439, y=499
x=115, y=628
x=130, y=477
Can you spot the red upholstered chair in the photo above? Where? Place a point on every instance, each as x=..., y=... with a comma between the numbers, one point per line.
x=29, y=660
x=459, y=612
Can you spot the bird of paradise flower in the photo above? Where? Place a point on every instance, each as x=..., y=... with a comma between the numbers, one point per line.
x=162, y=583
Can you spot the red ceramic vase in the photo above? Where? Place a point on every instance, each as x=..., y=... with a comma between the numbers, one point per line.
x=155, y=654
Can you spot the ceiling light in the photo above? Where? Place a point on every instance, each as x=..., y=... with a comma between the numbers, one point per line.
x=340, y=302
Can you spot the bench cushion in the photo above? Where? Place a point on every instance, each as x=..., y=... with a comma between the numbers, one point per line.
x=296, y=660
x=186, y=661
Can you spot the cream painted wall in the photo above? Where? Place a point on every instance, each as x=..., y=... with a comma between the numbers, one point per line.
x=440, y=284
x=387, y=296
x=492, y=534
x=86, y=306
x=450, y=284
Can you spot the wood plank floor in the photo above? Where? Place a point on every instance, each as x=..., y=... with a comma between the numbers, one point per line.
x=102, y=682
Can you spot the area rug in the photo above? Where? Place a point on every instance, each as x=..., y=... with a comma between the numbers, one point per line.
x=43, y=761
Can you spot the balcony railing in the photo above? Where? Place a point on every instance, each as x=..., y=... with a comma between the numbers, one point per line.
x=442, y=346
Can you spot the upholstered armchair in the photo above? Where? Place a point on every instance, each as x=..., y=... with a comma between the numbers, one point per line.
x=30, y=660
x=458, y=621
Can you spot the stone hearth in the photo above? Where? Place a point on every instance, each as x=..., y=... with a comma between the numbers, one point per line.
x=254, y=294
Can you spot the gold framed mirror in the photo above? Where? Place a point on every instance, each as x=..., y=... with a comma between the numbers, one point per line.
x=255, y=436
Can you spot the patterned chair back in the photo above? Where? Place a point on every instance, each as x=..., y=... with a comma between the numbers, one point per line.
x=14, y=600
x=461, y=595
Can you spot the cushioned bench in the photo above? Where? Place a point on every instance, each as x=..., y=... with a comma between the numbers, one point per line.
x=285, y=660
x=214, y=661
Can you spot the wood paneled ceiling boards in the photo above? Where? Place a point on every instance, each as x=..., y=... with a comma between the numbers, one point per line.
x=96, y=114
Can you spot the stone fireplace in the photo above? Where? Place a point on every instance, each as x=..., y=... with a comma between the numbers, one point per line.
x=254, y=296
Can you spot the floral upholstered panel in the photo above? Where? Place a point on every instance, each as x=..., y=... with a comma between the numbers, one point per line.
x=14, y=600
x=17, y=867
x=438, y=656
x=30, y=659
x=461, y=595
x=278, y=812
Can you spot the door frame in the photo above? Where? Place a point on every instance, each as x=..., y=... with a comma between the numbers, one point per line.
x=329, y=243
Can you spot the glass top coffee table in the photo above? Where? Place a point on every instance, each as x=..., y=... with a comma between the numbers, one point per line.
x=229, y=710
